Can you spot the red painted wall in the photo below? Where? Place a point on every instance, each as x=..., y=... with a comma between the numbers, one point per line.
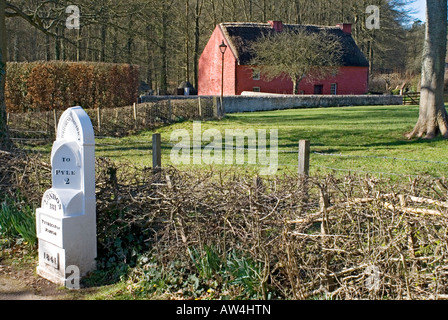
x=210, y=67
x=246, y=83
x=349, y=80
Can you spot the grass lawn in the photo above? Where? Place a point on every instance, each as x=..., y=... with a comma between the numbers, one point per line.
x=369, y=138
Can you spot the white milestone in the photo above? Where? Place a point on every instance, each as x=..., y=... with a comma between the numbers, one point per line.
x=66, y=221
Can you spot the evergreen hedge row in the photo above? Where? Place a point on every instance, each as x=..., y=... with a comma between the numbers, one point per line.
x=58, y=85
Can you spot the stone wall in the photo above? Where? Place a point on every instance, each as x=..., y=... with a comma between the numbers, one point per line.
x=250, y=102
x=255, y=102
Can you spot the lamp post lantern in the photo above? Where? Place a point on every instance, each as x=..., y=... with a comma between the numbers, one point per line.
x=222, y=48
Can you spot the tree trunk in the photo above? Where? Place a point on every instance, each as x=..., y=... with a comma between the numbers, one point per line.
x=196, y=53
x=296, y=84
x=130, y=41
x=47, y=48
x=149, y=57
x=432, y=115
x=103, y=31
x=298, y=12
x=57, y=45
x=5, y=142
x=164, y=52
x=187, y=41
x=78, y=45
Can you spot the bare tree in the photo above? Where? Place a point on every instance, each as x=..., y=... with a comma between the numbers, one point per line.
x=433, y=117
x=35, y=18
x=4, y=139
x=296, y=54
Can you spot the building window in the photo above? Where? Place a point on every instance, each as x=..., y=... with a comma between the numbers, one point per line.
x=334, y=88
x=318, y=89
x=256, y=89
x=256, y=75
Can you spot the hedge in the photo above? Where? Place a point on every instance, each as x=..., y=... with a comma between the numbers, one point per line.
x=58, y=85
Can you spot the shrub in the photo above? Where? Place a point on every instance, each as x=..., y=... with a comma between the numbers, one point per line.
x=200, y=235
x=58, y=85
x=17, y=96
x=205, y=234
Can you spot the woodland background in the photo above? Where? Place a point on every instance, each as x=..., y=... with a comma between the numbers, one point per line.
x=165, y=38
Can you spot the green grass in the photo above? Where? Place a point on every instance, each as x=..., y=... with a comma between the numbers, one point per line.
x=17, y=220
x=363, y=135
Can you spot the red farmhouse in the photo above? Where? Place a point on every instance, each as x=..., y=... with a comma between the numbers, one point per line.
x=351, y=79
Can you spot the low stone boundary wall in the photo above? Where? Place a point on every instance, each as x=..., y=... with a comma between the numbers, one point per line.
x=251, y=102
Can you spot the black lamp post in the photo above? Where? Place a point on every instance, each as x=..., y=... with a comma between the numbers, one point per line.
x=222, y=48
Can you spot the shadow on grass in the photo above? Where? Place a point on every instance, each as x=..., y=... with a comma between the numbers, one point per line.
x=407, y=142
x=345, y=114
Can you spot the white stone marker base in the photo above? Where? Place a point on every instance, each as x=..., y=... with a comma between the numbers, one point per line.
x=66, y=221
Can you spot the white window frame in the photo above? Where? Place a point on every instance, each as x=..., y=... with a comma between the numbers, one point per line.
x=334, y=88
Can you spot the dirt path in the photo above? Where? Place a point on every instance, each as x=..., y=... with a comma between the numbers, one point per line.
x=19, y=281
x=11, y=289
x=24, y=284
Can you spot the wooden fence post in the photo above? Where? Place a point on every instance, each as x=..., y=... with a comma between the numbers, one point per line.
x=199, y=108
x=47, y=122
x=156, y=152
x=135, y=115
x=215, y=107
x=98, y=113
x=304, y=157
x=55, y=118
x=222, y=109
x=170, y=111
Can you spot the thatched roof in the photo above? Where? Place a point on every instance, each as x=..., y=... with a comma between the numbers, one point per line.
x=241, y=35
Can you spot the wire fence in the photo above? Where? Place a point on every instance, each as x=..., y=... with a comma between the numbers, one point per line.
x=293, y=160
x=117, y=122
